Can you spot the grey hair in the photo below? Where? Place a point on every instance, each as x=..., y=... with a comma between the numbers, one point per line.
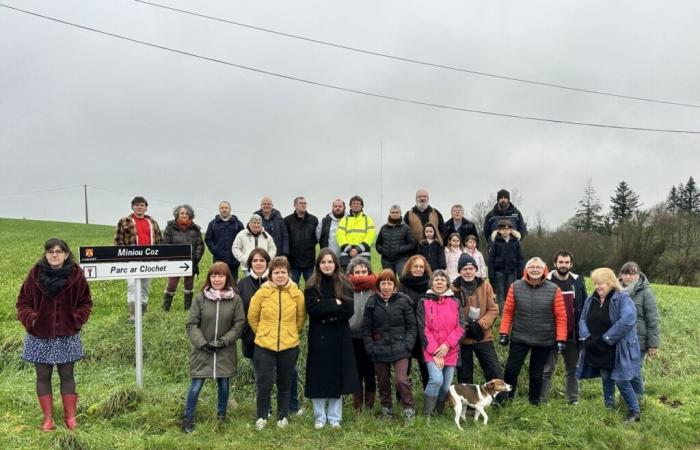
x=395, y=207
x=439, y=273
x=255, y=218
x=536, y=259
x=358, y=261
x=187, y=208
x=630, y=268
x=457, y=206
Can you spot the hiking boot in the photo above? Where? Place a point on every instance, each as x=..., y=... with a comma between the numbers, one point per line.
x=632, y=417
x=188, y=300
x=168, y=300
x=387, y=413
x=409, y=414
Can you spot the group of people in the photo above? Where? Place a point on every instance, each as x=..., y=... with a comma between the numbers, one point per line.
x=361, y=324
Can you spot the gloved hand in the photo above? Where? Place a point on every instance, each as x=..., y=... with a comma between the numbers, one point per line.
x=213, y=346
x=219, y=344
x=561, y=347
x=475, y=331
x=503, y=340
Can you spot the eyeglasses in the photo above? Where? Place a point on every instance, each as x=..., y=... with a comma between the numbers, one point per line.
x=535, y=267
x=54, y=252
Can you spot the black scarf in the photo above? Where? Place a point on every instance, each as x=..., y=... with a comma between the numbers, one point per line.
x=417, y=284
x=54, y=280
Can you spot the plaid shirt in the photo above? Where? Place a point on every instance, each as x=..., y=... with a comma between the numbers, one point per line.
x=126, y=231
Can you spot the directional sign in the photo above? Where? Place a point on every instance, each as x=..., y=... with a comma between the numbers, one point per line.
x=151, y=261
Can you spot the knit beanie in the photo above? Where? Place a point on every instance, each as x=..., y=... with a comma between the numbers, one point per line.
x=464, y=259
x=503, y=193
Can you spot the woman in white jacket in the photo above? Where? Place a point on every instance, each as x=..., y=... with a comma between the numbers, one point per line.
x=254, y=236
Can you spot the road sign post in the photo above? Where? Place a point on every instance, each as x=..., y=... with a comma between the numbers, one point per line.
x=136, y=262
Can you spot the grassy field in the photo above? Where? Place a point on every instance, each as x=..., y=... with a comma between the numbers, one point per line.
x=114, y=414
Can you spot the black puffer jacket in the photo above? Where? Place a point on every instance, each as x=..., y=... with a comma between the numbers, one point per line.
x=173, y=234
x=434, y=253
x=506, y=256
x=389, y=328
x=247, y=287
x=468, y=227
x=302, y=240
x=395, y=241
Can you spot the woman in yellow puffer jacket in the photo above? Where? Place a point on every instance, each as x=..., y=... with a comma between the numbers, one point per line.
x=276, y=315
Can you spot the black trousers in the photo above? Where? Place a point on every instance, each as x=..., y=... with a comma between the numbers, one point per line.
x=516, y=358
x=488, y=360
x=274, y=367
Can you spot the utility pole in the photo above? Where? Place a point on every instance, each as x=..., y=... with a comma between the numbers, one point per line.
x=86, y=203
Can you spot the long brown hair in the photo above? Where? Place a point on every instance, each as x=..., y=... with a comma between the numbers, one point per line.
x=219, y=268
x=339, y=279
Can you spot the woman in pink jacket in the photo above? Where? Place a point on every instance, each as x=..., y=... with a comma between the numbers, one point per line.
x=440, y=328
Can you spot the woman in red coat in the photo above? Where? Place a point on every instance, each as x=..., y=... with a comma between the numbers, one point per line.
x=53, y=304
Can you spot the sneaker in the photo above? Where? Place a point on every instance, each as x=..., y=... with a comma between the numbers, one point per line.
x=387, y=413
x=298, y=413
x=188, y=425
x=632, y=417
x=260, y=424
x=409, y=414
x=318, y=425
x=335, y=425
x=282, y=423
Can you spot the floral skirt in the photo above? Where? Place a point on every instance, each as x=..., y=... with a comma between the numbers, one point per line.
x=58, y=350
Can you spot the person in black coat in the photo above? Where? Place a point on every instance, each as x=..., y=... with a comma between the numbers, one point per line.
x=258, y=261
x=330, y=365
x=221, y=232
x=503, y=210
x=395, y=241
x=459, y=224
x=506, y=260
x=182, y=230
x=431, y=247
x=389, y=332
x=415, y=282
x=301, y=229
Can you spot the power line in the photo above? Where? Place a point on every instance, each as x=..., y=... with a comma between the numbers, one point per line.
x=155, y=200
x=40, y=191
x=416, y=61
x=354, y=91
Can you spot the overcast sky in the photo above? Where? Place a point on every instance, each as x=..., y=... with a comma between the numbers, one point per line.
x=77, y=107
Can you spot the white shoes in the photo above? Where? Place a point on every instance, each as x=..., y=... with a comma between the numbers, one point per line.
x=282, y=423
x=335, y=424
x=299, y=412
x=318, y=425
x=260, y=424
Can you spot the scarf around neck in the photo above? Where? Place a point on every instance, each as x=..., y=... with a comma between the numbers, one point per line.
x=218, y=294
x=363, y=282
x=54, y=280
x=418, y=284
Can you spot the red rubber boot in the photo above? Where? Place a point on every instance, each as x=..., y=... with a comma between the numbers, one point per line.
x=46, y=403
x=70, y=405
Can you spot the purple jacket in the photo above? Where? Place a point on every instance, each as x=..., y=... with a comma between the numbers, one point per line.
x=440, y=321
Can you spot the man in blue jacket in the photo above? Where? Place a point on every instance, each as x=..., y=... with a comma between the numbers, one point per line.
x=274, y=225
x=220, y=235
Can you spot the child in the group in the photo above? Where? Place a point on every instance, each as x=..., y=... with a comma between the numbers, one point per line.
x=470, y=247
x=431, y=247
x=506, y=261
x=453, y=250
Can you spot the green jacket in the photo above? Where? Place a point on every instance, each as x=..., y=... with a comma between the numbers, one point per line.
x=214, y=320
x=647, y=313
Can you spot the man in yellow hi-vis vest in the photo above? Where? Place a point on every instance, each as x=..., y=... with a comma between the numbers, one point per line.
x=355, y=233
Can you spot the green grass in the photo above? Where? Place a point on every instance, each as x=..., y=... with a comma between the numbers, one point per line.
x=114, y=414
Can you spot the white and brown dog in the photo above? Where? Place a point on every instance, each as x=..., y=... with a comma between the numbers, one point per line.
x=477, y=396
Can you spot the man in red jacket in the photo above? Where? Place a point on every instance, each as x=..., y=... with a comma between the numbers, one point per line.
x=535, y=318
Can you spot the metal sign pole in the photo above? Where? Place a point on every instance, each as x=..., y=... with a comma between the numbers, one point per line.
x=139, y=335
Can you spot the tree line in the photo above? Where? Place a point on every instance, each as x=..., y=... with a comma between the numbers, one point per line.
x=664, y=239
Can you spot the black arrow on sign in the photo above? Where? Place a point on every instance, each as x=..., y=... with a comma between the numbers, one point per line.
x=185, y=267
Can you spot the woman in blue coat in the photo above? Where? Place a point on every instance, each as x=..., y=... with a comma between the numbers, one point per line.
x=608, y=335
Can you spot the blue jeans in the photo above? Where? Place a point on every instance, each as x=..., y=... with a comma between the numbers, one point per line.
x=501, y=283
x=625, y=388
x=334, y=413
x=193, y=394
x=439, y=381
x=296, y=274
x=638, y=381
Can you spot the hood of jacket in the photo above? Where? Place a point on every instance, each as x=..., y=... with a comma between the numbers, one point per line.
x=232, y=218
x=274, y=214
x=431, y=295
x=514, y=234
